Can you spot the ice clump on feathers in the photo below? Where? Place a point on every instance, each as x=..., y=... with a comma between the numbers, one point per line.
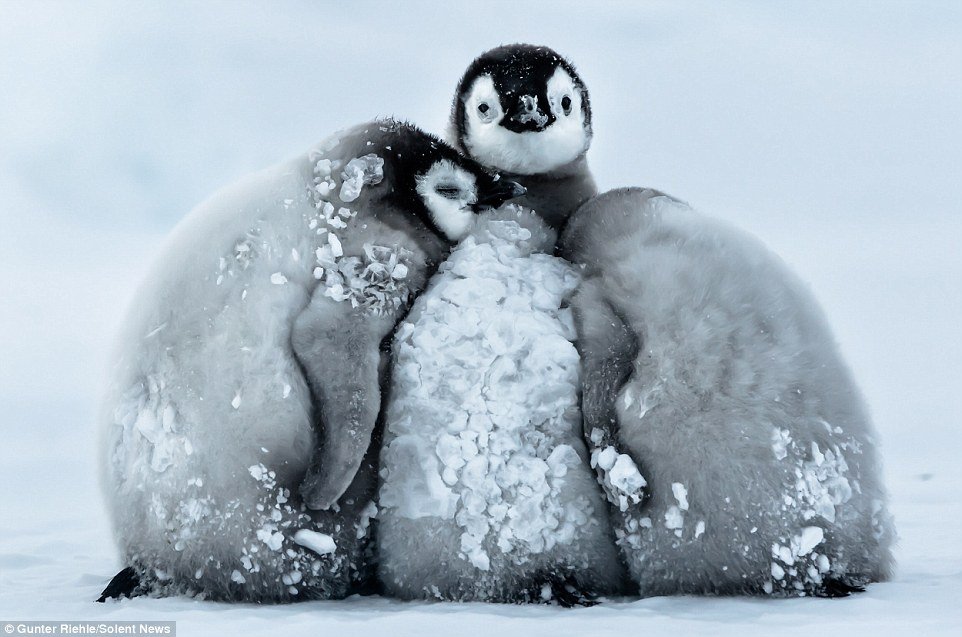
x=620, y=478
x=376, y=281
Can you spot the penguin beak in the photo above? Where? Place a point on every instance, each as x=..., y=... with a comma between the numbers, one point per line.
x=498, y=192
x=530, y=114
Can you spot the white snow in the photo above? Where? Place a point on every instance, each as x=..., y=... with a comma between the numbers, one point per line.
x=829, y=129
x=320, y=543
x=360, y=171
x=681, y=495
x=620, y=478
x=811, y=537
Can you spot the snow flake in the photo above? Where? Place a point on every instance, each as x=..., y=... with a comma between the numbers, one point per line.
x=319, y=543
x=335, y=243
x=681, y=495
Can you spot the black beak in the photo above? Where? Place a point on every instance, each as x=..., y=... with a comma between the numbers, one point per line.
x=498, y=192
x=529, y=114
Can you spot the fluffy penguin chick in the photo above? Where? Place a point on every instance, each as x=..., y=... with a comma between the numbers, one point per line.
x=486, y=493
x=523, y=110
x=250, y=361
x=713, y=367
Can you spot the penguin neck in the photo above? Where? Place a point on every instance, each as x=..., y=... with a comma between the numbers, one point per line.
x=555, y=195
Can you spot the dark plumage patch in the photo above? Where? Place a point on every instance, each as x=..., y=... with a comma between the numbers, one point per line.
x=126, y=583
x=834, y=587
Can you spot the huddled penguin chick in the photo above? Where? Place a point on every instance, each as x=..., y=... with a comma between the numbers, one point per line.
x=486, y=489
x=711, y=365
x=524, y=111
x=246, y=386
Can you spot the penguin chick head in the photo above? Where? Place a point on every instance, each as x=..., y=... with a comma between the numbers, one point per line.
x=522, y=109
x=443, y=187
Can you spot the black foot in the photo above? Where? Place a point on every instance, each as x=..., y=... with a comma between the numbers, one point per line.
x=838, y=588
x=567, y=594
x=126, y=583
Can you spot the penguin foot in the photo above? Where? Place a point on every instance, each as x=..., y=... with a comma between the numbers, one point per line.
x=566, y=593
x=568, y=596
x=839, y=588
x=126, y=583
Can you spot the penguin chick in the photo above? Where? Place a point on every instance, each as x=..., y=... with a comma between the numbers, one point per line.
x=523, y=110
x=711, y=365
x=246, y=384
x=486, y=492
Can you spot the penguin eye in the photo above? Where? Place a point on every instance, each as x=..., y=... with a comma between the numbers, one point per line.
x=566, y=104
x=448, y=192
x=486, y=112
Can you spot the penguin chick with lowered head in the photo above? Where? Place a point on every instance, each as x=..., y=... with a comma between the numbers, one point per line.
x=246, y=387
x=523, y=110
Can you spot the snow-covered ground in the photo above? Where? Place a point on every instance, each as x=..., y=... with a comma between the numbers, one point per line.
x=831, y=130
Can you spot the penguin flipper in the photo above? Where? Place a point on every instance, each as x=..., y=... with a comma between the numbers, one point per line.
x=607, y=347
x=126, y=583
x=338, y=347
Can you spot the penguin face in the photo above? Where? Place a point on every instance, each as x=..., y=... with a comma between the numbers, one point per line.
x=439, y=185
x=522, y=109
x=452, y=194
x=449, y=194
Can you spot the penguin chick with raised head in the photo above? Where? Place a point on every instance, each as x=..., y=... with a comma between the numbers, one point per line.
x=483, y=451
x=710, y=366
x=523, y=110
x=245, y=393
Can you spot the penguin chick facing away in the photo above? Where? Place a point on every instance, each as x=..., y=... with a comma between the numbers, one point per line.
x=523, y=110
x=245, y=391
x=486, y=492
x=714, y=368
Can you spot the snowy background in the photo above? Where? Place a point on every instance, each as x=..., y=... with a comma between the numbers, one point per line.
x=831, y=130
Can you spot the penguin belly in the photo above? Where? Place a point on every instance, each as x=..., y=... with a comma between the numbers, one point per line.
x=486, y=493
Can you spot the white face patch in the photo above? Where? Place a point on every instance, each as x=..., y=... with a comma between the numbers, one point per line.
x=530, y=152
x=448, y=192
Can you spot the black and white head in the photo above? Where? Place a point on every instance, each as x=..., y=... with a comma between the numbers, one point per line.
x=522, y=109
x=442, y=187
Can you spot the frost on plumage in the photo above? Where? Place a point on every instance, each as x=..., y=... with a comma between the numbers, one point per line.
x=822, y=489
x=375, y=281
x=149, y=421
x=484, y=404
x=360, y=171
x=620, y=478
